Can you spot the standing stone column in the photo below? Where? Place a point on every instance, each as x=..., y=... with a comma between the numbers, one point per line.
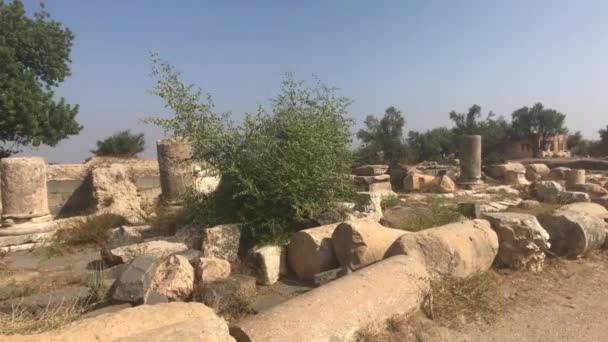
x=574, y=177
x=23, y=184
x=470, y=161
x=174, y=161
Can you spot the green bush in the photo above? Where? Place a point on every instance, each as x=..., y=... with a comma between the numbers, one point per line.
x=279, y=168
x=121, y=144
x=389, y=202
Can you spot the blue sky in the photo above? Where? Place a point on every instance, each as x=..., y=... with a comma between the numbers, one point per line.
x=425, y=57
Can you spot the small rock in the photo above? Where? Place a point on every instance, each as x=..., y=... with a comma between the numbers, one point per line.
x=174, y=278
x=159, y=249
x=222, y=242
x=211, y=269
x=135, y=280
x=269, y=263
x=231, y=294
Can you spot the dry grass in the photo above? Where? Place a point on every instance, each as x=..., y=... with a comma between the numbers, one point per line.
x=396, y=328
x=436, y=212
x=167, y=222
x=21, y=321
x=454, y=301
x=14, y=290
x=93, y=230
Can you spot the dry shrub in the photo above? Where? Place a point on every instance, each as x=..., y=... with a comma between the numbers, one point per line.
x=395, y=329
x=14, y=290
x=454, y=301
x=21, y=321
x=93, y=230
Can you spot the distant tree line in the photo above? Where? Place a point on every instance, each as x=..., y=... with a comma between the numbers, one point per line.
x=585, y=147
x=383, y=140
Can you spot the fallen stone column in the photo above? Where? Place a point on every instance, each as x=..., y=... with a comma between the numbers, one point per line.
x=176, y=169
x=574, y=233
x=310, y=251
x=362, y=242
x=456, y=249
x=23, y=184
x=393, y=286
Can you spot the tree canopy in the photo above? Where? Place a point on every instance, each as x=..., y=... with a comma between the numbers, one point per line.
x=121, y=144
x=34, y=59
x=538, y=123
x=383, y=140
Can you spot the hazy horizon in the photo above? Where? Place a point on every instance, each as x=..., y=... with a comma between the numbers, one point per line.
x=424, y=58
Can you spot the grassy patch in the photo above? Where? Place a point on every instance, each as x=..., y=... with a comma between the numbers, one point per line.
x=21, y=321
x=93, y=230
x=435, y=213
x=389, y=202
x=50, y=249
x=454, y=301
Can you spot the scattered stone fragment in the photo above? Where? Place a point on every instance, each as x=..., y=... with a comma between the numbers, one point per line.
x=310, y=251
x=573, y=234
x=502, y=190
x=522, y=240
x=269, y=262
x=211, y=269
x=159, y=249
x=174, y=278
x=568, y=197
x=135, y=280
x=235, y=293
x=329, y=276
x=222, y=242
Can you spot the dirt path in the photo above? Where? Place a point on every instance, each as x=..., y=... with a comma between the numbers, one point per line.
x=567, y=302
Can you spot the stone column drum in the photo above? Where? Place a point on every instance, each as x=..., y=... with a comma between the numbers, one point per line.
x=174, y=161
x=470, y=161
x=23, y=184
x=574, y=177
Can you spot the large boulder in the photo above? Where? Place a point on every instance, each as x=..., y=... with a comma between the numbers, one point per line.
x=536, y=172
x=222, y=242
x=211, y=269
x=362, y=242
x=115, y=193
x=457, y=249
x=158, y=249
x=371, y=170
x=174, y=278
x=147, y=323
x=547, y=191
x=522, y=240
x=310, y=251
x=232, y=294
x=269, y=262
x=572, y=233
x=135, y=281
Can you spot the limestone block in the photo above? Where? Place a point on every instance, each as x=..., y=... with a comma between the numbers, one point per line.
x=269, y=262
x=174, y=278
x=310, y=251
x=362, y=242
x=515, y=177
x=371, y=170
x=233, y=293
x=158, y=249
x=536, y=172
x=209, y=270
x=222, y=242
x=418, y=182
x=115, y=193
x=567, y=197
x=572, y=233
x=24, y=189
x=135, y=281
x=547, y=191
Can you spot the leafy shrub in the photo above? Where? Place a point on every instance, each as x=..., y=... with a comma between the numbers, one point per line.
x=279, y=168
x=121, y=144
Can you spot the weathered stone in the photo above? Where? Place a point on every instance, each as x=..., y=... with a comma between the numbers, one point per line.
x=233, y=293
x=547, y=191
x=594, y=190
x=310, y=251
x=193, y=255
x=522, y=240
x=206, y=180
x=78, y=295
x=159, y=249
x=135, y=281
x=123, y=236
x=515, y=177
x=372, y=179
x=176, y=168
x=574, y=177
x=115, y=193
x=24, y=190
x=558, y=173
x=369, y=204
x=456, y=249
x=24, y=239
x=537, y=172
x=222, y=242
x=269, y=262
x=587, y=208
x=191, y=236
x=209, y=270
x=331, y=312
x=445, y=184
x=26, y=228
x=328, y=276
x=470, y=161
x=418, y=182
x=470, y=210
x=572, y=233
x=371, y=170
x=174, y=278
x=567, y=197
x=362, y=242
x=147, y=323
x=529, y=204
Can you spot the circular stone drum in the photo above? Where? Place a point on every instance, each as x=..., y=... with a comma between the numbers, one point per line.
x=175, y=165
x=23, y=184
